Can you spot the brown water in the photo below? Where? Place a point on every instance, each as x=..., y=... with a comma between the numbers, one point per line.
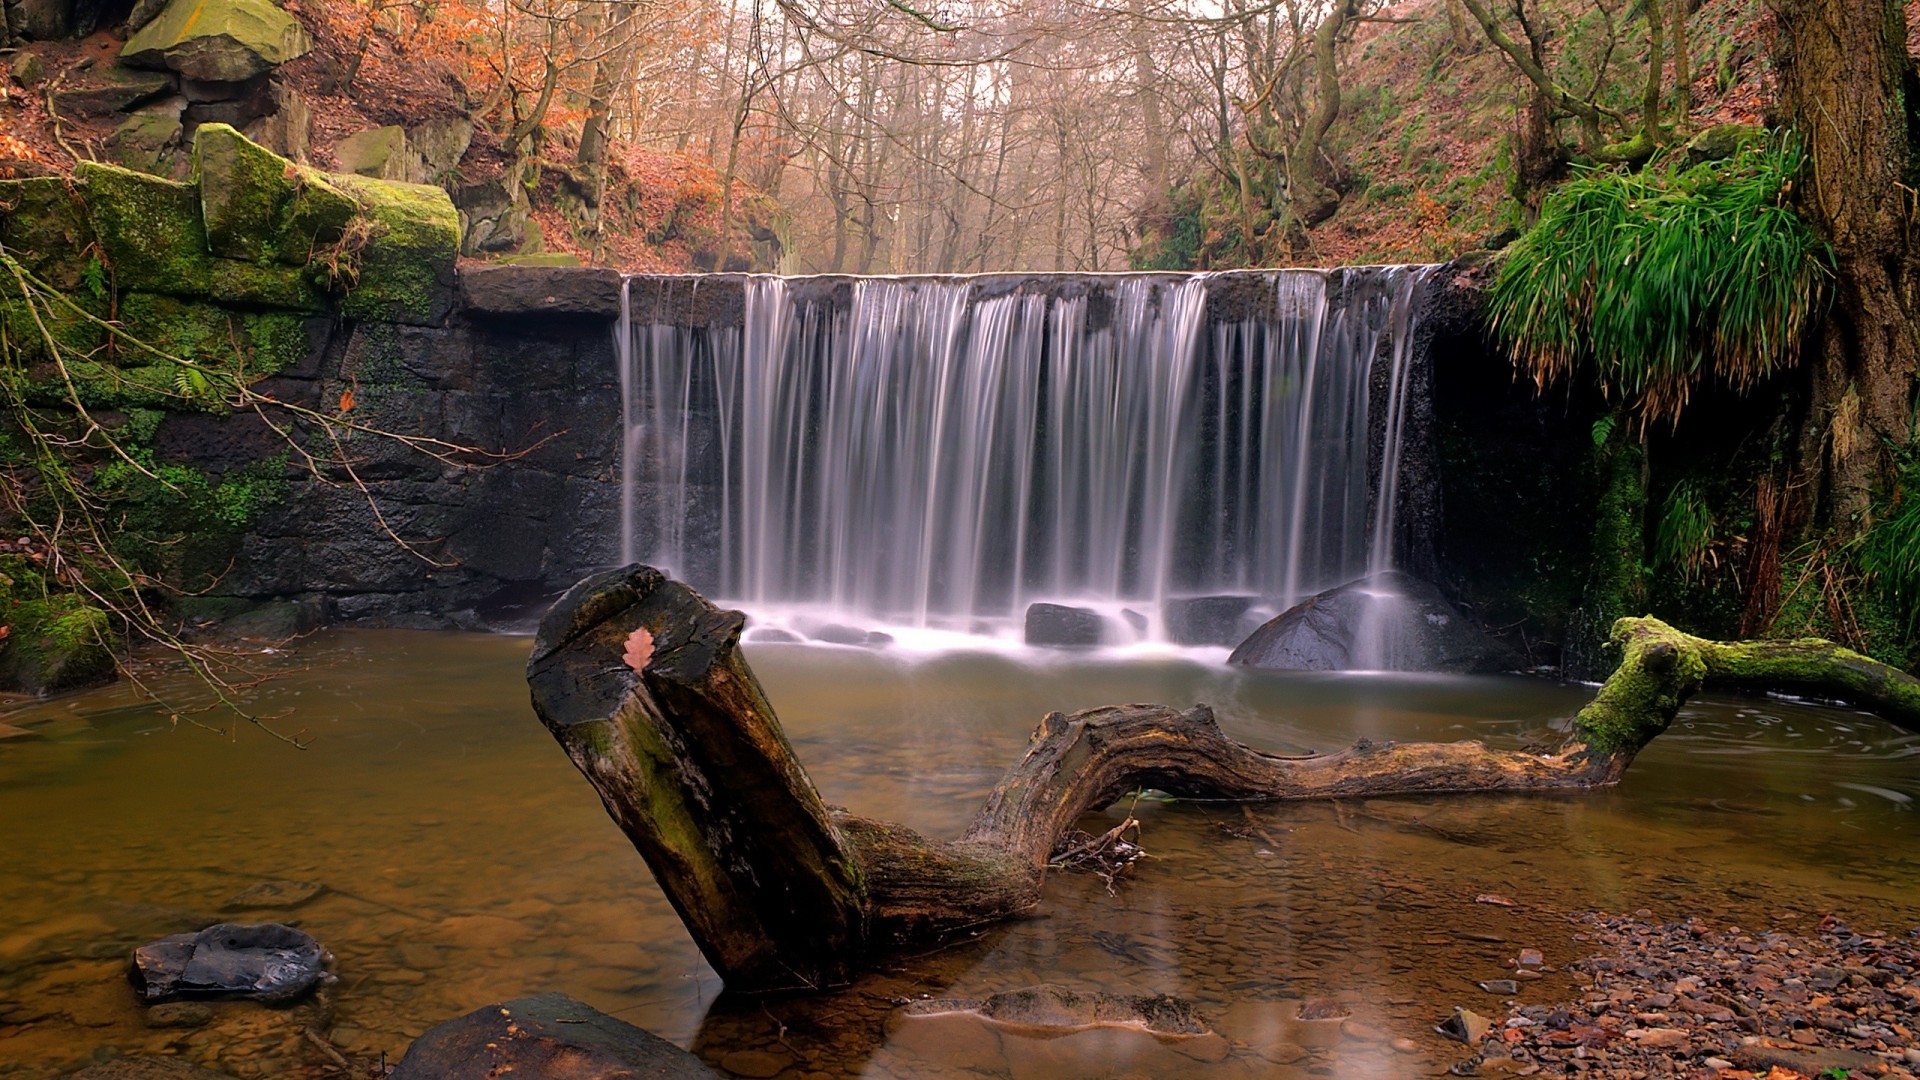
x=467, y=862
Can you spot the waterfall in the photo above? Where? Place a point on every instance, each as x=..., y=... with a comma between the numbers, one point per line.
x=941, y=452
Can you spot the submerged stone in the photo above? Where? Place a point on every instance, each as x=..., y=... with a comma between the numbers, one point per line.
x=1056, y=1008
x=1207, y=620
x=268, y=962
x=1388, y=621
x=552, y=1037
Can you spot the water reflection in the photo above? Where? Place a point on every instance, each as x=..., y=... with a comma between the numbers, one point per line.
x=466, y=862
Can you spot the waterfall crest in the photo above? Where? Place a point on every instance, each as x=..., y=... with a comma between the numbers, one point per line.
x=942, y=452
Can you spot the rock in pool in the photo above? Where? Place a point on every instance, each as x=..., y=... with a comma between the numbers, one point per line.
x=1058, y=624
x=1388, y=621
x=552, y=1037
x=269, y=962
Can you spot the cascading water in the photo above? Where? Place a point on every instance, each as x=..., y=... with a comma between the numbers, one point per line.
x=941, y=452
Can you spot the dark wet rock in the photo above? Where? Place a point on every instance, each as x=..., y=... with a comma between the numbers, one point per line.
x=1386, y=621
x=273, y=894
x=1134, y=619
x=1058, y=1009
x=541, y=290
x=773, y=635
x=1058, y=624
x=118, y=90
x=145, y=1068
x=1206, y=620
x=268, y=962
x=552, y=1037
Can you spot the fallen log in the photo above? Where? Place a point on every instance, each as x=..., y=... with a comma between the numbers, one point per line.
x=641, y=680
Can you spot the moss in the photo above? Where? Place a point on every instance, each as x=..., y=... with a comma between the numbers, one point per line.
x=1659, y=668
x=199, y=332
x=244, y=190
x=406, y=268
x=276, y=286
x=1617, y=581
x=44, y=224
x=149, y=229
x=317, y=215
x=55, y=641
x=23, y=338
x=278, y=340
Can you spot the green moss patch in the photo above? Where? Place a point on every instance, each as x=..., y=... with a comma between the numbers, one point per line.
x=406, y=268
x=149, y=228
x=44, y=224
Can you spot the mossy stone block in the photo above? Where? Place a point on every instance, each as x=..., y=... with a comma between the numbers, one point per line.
x=149, y=228
x=317, y=215
x=199, y=332
x=44, y=224
x=244, y=191
x=406, y=267
x=236, y=282
x=25, y=333
x=549, y=258
x=379, y=152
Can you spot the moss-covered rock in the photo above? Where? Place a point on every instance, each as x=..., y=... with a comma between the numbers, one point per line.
x=218, y=40
x=244, y=191
x=381, y=153
x=265, y=286
x=317, y=216
x=44, y=224
x=148, y=144
x=55, y=641
x=149, y=228
x=406, y=267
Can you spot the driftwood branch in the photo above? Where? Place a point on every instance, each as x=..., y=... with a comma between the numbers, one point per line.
x=642, y=682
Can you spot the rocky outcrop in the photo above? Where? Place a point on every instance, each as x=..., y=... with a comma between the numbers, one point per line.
x=1388, y=621
x=223, y=41
x=552, y=1037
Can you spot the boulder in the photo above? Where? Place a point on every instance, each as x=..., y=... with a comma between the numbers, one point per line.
x=117, y=90
x=43, y=20
x=406, y=270
x=548, y=290
x=1388, y=621
x=381, y=153
x=28, y=69
x=149, y=144
x=1722, y=141
x=490, y=218
x=1060, y=625
x=552, y=1037
x=217, y=40
x=268, y=962
x=1207, y=620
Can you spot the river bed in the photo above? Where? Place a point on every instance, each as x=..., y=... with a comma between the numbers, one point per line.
x=464, y=861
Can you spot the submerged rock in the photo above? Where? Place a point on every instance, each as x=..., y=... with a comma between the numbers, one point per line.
x=552, y=1037
x=1058, y=1009
x=1388, y=621
x=1058, y=624
x=269, y=962
x=146, y=1068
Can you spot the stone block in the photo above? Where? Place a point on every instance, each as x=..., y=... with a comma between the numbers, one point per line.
x=217, y=40
x=541, y=290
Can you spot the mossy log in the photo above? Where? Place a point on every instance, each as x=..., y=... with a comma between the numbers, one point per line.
x=642, y=682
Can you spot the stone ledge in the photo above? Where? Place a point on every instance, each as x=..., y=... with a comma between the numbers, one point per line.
x=541, y=290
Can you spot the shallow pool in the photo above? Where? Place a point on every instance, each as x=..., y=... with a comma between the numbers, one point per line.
x=465, y=862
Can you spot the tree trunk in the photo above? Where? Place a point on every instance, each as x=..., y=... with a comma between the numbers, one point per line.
x=641, y=681
x=1845, y=82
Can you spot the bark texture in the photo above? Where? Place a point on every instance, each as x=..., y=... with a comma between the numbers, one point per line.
x=1845, y=82
x=641, y=681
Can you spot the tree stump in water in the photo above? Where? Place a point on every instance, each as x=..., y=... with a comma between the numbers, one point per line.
x=642, y=682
